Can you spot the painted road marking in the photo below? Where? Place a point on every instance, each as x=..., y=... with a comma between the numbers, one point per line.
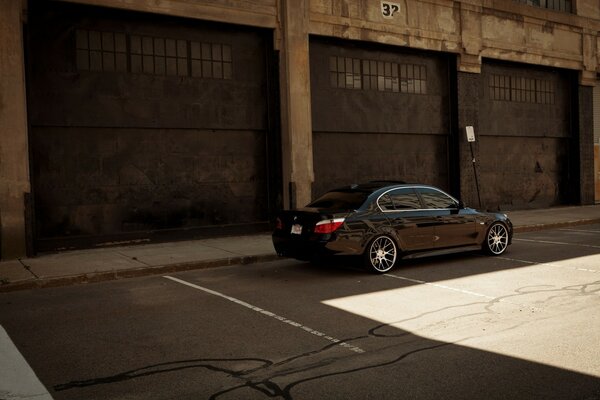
x=548, y=264
x=467, y=292
x=17, y=379
x=559, y=243
x=298, y=325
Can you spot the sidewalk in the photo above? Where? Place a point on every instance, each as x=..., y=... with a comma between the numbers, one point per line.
x=97, y=265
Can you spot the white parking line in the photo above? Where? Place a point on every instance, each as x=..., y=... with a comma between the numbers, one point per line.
x=559, y=243
x=548, y=264
x=331, y=339
x=17, y=379
x=467, y=292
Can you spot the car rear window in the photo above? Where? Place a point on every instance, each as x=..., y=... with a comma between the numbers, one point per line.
x=340, y=200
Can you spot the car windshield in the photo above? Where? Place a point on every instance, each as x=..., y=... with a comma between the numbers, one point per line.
x=340, y=200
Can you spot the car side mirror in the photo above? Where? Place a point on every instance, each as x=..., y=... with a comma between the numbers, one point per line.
x=461, y=205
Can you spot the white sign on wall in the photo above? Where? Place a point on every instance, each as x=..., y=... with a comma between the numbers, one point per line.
x=470, y=133
x=388, y=9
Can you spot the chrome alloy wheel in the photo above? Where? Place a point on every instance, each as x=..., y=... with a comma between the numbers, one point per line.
x=382, y=254
x=497, y=239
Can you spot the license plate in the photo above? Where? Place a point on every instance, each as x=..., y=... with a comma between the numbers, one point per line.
x=296, y=229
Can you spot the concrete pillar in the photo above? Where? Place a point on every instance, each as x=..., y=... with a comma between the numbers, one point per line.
x=298, y=174
x=14, y=158
x=586, y=145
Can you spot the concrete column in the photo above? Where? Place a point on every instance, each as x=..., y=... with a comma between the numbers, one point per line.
x=298, y=174
x=14, y=158
x=586, y=145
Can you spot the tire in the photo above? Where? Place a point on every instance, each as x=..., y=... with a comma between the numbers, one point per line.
x=496, y=239
x=381, y=255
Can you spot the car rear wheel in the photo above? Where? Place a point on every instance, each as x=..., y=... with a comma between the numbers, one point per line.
x=381, y=255
x=496, y=240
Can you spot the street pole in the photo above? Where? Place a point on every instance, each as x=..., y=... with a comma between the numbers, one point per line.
x=471, y=138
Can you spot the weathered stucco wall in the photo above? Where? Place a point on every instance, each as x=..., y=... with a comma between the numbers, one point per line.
x=262, y=13
x=497, y=29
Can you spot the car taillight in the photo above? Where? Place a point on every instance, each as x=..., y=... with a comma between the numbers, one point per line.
x=328, y=225
x=278, y=223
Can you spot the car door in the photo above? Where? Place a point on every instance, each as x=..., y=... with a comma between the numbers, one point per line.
x=413, y=225
x=454, y=226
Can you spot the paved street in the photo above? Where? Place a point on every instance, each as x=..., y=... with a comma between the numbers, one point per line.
x=525, y=325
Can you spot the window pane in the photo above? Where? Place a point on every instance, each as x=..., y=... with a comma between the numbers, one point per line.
x=108, y=43
x=385, y=203
x=95, y=41
x=436, y=199
x=120, y=43
x=159, y=47
x=206, y=51
x=181, y=48
x=227, y=53
x=136, y=45
x=195, y=51
x=147, y=45
x=405, y=199
x=216, y=52
x=170, y=45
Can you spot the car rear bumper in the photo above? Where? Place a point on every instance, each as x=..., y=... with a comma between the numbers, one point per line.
x=301, y=248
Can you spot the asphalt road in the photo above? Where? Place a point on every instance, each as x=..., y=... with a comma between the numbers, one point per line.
x=522, y=326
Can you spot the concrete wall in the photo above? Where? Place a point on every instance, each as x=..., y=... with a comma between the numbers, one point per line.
x=14, y=159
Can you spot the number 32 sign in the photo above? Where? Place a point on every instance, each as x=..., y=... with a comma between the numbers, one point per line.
x=388, y=9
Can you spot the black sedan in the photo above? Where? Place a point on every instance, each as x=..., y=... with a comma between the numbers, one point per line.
x=385, y=222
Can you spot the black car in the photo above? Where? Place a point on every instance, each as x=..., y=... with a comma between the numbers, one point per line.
x=384, y=222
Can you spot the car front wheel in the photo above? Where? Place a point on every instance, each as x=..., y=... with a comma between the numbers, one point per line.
x=381, y=255
x=496, y=240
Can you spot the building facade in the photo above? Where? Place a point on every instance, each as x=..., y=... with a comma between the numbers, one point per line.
x=129, y=121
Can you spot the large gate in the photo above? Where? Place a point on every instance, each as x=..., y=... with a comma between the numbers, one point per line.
x=524, y=137
x=379, y=113
x=143, y=125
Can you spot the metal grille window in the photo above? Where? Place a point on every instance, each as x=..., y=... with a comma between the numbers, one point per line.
x=344, y=72
x=352, y=73
x=557, y=5
x=211, y=60
x=521, y=89
x=413, y=79
x=159, y=56
x=111, y=51
x=100, y=51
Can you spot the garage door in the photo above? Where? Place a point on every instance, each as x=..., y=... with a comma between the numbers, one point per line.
x=378, y=114
x=143, y=125
x=525, y=137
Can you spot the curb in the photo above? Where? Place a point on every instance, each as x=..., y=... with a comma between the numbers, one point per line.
x=96, y=277
x=556, y=225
